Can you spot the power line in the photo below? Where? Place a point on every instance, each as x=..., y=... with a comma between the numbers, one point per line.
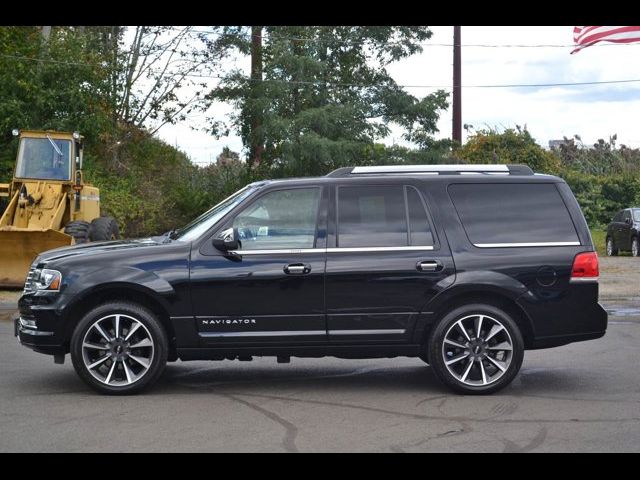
x=512, y=85
x=337, y=84
x=426, y=44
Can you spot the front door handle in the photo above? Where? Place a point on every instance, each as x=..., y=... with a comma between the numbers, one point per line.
x=297, y=269
x=429, y=266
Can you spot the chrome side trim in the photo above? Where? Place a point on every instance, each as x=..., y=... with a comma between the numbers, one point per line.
x=529, y=244
x=332, y=250
x=430, y=168
x=277, y=333
x=280, y=251
x=393, y=331
x=377, y=249
x=584, y=280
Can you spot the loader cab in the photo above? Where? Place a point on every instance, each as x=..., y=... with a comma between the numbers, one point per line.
x=48, y=156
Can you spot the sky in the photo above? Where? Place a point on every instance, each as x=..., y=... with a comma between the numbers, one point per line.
x=591, y=111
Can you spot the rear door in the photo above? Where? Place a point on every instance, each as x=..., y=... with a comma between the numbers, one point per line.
x=384, y=261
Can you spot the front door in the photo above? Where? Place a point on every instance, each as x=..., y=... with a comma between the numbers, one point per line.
x=625, y=231
x=384, y=263
x=270, y=290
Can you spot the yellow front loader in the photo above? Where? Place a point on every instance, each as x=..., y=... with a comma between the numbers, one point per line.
x=50, y=206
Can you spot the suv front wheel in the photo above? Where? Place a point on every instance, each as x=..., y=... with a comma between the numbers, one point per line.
x=476, y=349
x=119, y=348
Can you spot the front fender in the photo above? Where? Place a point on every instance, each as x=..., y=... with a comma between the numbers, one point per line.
x=130, y=277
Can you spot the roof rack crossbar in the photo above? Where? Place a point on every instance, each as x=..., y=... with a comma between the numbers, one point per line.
x=511, y=169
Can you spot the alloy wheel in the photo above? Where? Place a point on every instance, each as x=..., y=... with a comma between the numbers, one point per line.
x=477, y=350
x=117, y=350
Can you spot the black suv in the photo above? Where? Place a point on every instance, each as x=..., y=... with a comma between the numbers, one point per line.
x=623, y=233
x=463, y=266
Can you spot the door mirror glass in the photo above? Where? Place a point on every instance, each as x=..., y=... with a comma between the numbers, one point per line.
x=226, y=240
x=627, y=220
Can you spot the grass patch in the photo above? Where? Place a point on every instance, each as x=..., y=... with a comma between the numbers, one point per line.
x=598, y=237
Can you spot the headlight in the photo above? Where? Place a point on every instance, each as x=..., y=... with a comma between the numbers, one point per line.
x=48, y=280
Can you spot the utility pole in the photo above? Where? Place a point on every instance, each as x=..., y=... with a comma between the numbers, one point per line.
x=457, y=88
x=257, y=147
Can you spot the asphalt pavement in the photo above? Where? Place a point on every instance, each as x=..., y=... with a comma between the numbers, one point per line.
x=583, y=397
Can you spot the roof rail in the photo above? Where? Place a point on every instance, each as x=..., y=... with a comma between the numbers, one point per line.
x=455, y=169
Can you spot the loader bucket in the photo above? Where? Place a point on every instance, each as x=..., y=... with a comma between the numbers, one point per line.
x=19, y=247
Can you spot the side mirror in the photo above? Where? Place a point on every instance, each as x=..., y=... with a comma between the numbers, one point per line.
x=627, y=221
x=226, y=240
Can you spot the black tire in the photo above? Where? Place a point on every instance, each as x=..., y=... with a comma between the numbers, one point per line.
x=612, y=251
x=491, y=316
x=79, y=230
x=155, y=354
x=635, y=247
x=104, y=229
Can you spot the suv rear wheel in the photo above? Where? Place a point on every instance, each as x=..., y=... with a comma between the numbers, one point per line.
x=119, y=348
x=611, y=250
x=476, y=349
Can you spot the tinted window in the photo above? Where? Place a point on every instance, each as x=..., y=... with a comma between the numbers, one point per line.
x=626, y=215
x=281, y=219
x=618, y=217
x=512, y=213
x=419, y=230
x=372, y=216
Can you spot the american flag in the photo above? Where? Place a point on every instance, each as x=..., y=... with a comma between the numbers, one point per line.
x=587, y=36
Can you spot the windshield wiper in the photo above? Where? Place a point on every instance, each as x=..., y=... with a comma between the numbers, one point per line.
x=55, y=147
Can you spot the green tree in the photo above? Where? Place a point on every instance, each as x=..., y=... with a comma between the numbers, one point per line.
x=514, y=145
x=324, y=96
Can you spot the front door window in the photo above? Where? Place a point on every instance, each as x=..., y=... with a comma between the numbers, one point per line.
x=281, y=219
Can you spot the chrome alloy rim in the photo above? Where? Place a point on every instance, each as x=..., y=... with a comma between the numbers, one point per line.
x=609, y=247
x=477, y=350
x=634, y=248
x=117, y=350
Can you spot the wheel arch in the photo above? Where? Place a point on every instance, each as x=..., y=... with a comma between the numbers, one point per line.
x=491, y=297
x=131, y=293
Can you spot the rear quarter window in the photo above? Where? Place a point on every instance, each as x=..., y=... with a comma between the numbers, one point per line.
x=513, y=213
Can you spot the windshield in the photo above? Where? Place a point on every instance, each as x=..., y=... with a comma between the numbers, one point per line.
x=636, y=214
x=44, y=158
x=205, y=221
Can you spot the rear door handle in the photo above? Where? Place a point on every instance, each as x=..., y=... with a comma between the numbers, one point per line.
x=429, y=266
x=297, y=269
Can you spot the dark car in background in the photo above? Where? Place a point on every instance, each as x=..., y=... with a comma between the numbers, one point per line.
x=623, y=233
x=462, y=266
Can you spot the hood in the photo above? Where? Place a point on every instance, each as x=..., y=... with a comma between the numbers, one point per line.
x=119, y=249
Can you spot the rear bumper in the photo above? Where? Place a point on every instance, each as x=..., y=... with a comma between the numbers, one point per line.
x=549, y=342
x=573, y=315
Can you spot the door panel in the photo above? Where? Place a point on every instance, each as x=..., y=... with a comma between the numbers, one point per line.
x=374, y=292
x=262, y=292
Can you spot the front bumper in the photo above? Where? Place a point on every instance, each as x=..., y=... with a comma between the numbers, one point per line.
x=38, y=327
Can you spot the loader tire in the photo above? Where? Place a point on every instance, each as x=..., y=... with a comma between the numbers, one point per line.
x=79, y=230
x=104, y=229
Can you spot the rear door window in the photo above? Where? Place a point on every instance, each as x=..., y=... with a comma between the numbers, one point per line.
x=509, y=214
x=382, y=216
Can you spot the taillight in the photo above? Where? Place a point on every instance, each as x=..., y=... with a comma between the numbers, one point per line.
x=585, y=267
